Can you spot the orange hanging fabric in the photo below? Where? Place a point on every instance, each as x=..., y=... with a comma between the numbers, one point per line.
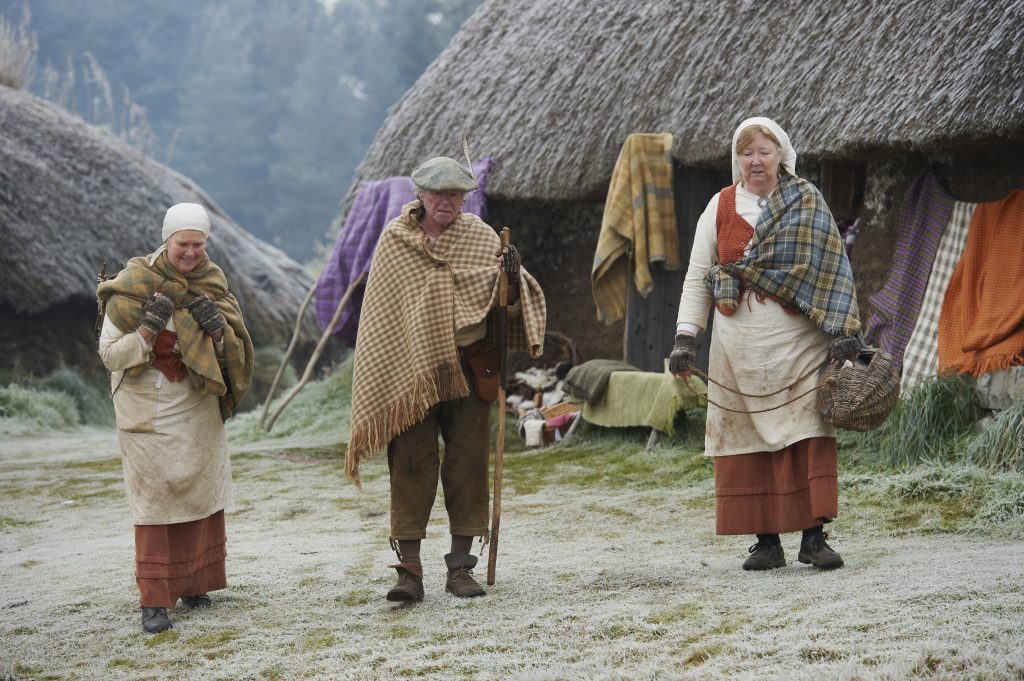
x=981, y=326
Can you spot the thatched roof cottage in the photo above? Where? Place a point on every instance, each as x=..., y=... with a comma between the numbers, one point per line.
x=73, y=197
x=871, y=93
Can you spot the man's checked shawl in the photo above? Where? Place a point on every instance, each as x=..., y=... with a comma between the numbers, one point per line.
x=406, y=358
x=125, y=295
x=797, y=257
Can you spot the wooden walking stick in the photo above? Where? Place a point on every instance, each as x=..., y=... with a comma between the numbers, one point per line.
x=499, y=447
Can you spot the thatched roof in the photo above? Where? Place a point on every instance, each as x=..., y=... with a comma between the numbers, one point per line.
x=551, y=88
x=72, y=197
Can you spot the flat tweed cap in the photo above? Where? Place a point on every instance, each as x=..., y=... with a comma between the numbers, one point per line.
x=443, y=174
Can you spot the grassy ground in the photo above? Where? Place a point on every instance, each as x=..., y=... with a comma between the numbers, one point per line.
x=609, y=565
x=609, y=568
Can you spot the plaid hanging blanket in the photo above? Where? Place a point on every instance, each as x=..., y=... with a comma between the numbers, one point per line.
x=796, y=257
x=921, y=358
x=923, y=217
x=639, y=213
x=406, y=357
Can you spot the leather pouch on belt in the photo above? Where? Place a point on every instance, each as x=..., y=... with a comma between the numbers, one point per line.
x=485, y=365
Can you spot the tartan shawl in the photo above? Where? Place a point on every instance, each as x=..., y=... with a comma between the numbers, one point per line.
x=124, y=296
x=406, y=359
x=796, y=257
x=639, y=212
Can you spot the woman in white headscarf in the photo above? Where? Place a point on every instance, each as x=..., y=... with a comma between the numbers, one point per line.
x=768, y=255
x=180, y=359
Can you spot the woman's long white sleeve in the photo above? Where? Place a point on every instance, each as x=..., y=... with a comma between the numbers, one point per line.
x=120, y=350
x=695, y=301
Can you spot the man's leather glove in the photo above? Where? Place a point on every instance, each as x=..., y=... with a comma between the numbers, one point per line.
x=206, y=314
x=843, y=348
x=155, y=313
x=510, y=262
x=684, y=353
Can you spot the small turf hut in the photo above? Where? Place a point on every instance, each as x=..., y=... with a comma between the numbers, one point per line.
x=73, y=197
x=871, y=93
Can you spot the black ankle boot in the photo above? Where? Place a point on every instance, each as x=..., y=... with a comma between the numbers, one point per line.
x=766, y=554
x=814, y=550
x=155, y=620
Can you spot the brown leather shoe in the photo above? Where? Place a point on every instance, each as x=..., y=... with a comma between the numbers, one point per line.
x=460, y=576
x=155, y=620
x=815, y=551
x=765, y=556
x=409, y=586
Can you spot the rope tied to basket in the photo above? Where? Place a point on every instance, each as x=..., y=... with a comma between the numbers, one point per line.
x=854, y=395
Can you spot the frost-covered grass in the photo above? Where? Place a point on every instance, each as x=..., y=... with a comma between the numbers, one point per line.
x=322, y=409
x=609, y=568
x=24, y=411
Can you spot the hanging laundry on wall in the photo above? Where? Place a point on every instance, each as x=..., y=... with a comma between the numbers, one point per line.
x=981, y=326
x=921, y=359
x=639, y=213
x=926, y=210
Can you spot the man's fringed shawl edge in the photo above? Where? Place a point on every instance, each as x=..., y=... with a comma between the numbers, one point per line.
x=125, y=295
x=797, y=257
x=406, y=358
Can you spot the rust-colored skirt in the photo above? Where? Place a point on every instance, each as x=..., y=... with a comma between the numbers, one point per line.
x=775, y=492
x=181, y=559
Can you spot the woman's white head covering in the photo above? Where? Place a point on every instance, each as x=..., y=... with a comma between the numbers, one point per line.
x=179, y=217
x=788, y=152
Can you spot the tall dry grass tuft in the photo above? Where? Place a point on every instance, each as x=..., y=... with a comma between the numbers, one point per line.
x=121, y=116
x=934, y=422
x=1001, y=445
x=18, y=49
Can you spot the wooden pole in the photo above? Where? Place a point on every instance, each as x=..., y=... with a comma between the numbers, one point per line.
x=499, y=447
x=287, y=353
x=308, y=373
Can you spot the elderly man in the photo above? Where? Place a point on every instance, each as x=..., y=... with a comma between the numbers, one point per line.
x=426, y=363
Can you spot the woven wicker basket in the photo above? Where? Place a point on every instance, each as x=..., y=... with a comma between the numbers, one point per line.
x=859, y=395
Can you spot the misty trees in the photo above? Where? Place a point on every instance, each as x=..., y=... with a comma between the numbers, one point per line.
x=270, y=106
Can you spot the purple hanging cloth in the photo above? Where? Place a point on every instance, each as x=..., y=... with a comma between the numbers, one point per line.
x=926, y=209
x=376, y=204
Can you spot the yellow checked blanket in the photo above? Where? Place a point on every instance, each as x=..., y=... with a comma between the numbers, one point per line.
x=639, y=212
x=124, y=296
x=406, y=358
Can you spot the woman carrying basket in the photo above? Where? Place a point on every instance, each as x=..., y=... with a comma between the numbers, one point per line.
x=768, y=254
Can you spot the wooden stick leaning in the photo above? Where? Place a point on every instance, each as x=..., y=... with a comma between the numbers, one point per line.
x=499, y=447
x=308, y=373
x=287, y=354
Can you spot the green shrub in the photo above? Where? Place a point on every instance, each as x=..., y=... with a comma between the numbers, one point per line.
x=24, y=411
x=94, y=408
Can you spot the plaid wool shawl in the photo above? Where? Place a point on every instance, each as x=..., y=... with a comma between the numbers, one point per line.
x=796, y=257
x=640, y=213
x=406, y=358
x=124, y=296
